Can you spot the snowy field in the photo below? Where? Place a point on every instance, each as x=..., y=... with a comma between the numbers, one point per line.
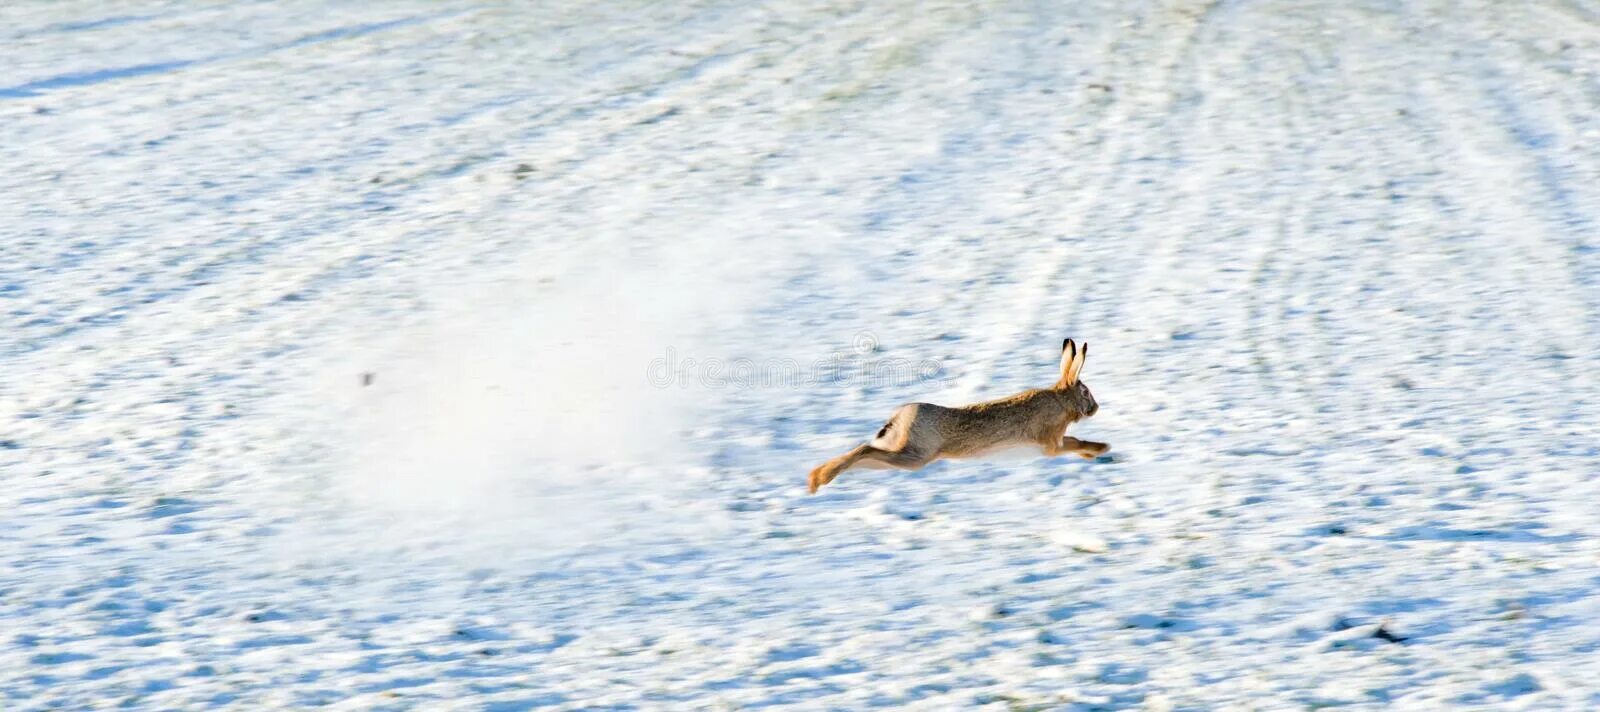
x=344, y=356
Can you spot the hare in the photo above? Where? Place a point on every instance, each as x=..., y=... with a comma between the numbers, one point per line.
x=919, y=433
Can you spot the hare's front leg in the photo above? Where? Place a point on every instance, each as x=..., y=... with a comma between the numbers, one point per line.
x=1085, y=448
x=1088, y=449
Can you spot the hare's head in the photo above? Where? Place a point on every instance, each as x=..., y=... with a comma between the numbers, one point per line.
x=1072, y=358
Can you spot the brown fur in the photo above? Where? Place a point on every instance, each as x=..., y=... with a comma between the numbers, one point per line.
x=919, y=433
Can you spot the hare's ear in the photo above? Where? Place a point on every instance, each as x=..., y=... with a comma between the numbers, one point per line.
x=1069, y=360
x=1071, y=375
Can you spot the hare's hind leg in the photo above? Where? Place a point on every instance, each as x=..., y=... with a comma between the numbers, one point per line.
x=905, y=459
x=824, y=473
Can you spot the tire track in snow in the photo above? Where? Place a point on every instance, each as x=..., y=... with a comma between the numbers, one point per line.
x=1515, y=233
x=1202, y=305
x=1548, y=98
x=1204, y=326
x=1006, y=334
x=1124, y=149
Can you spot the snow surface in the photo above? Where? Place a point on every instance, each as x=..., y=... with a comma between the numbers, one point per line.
x=1337, y=263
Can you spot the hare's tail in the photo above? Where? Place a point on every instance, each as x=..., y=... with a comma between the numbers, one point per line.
x=896, y=433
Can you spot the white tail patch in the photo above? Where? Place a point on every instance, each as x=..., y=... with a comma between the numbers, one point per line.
x=893, y=435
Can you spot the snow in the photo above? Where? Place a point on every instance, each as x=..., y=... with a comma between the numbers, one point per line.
x=325, y=362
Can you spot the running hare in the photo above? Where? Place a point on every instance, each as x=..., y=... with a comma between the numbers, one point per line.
x=919, y=433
